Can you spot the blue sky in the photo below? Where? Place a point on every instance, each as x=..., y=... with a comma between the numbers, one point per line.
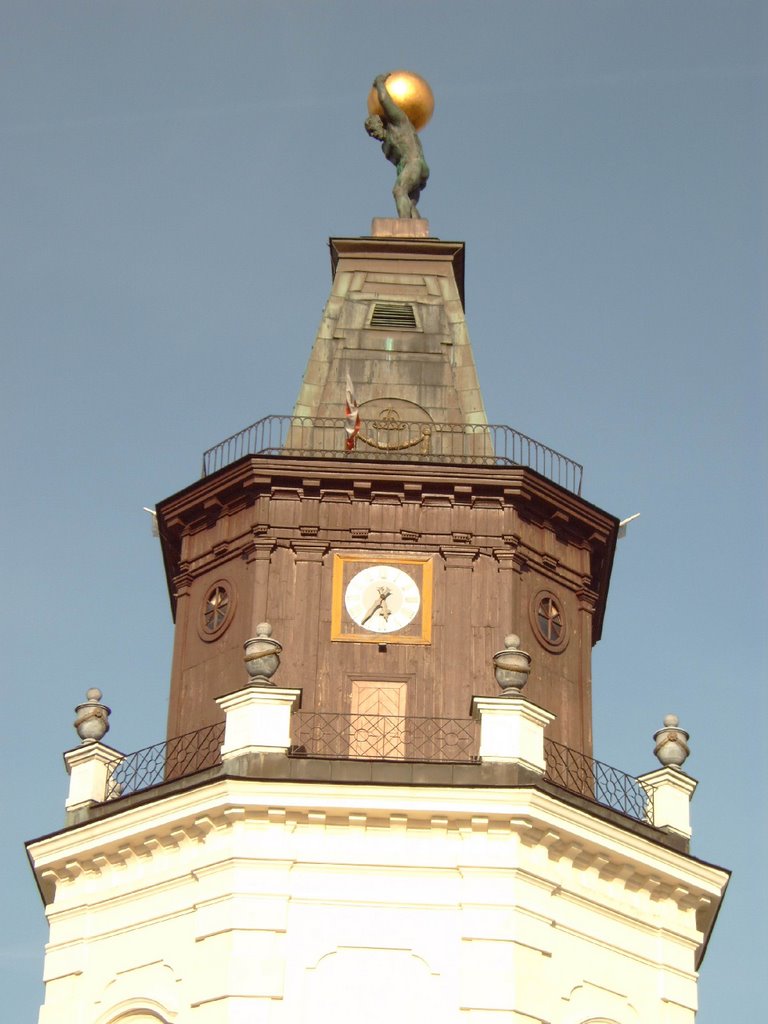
x=170, y=176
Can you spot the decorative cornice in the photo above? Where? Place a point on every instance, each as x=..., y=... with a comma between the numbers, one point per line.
x=309, y=550
x=515, y=491
x=595, y=859
x=459, y=558
x=180, y=584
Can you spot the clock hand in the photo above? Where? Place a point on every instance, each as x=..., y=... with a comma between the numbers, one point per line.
x=384, y=593
x=384, y=611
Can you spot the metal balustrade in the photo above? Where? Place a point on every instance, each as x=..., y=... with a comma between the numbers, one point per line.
x=164, y=762
x=597, y=781
x=384, y=737
x=318, y=734
x=394, y=440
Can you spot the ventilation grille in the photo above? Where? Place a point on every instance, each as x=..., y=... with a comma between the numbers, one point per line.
x=396, y=315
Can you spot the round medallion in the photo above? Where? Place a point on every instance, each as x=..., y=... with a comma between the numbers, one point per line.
x=382, y=598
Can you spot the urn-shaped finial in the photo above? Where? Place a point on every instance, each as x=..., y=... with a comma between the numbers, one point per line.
x=262, y=655
x=671, y=743
x=512, y=666
x=92, y=718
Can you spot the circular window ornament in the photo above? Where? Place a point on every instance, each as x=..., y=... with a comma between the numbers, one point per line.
x=216, y=610
x=548, y=620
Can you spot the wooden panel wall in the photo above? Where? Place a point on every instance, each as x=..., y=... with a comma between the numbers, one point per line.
x=494, y=548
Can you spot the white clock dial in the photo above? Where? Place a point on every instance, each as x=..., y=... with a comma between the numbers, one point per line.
x=382, y=598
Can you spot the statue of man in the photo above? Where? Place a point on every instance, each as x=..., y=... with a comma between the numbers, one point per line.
x=401, y=145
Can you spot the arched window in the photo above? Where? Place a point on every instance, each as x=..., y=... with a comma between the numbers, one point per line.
x=139, y=1016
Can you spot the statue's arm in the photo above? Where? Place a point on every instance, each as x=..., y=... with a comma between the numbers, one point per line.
x=388, y=105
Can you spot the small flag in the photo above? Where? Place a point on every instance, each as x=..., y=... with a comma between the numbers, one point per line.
x=351, y=417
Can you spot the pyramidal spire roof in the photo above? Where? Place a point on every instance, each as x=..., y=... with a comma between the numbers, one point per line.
x=394, y=324
x=392, y=368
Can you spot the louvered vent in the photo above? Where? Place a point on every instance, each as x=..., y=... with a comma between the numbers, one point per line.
x=397, y=316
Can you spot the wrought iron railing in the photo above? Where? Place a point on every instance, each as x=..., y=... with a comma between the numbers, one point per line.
x=488, y=444
x=597, y=781
x=163, y=762
x=318, y=734
x=383, y=737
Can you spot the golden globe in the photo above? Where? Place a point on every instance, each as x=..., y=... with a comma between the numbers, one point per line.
x=411, y=93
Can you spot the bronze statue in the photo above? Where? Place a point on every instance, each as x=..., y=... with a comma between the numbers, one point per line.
x=401, y=145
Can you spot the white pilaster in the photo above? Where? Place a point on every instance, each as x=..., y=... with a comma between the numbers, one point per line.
x=258, y=719
x=87, y=767
x=512, y=730
x=671, y=790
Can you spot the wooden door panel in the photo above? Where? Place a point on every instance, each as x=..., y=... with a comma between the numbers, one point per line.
x=378, y=719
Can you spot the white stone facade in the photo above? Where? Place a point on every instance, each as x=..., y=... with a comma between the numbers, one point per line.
x=286, y=902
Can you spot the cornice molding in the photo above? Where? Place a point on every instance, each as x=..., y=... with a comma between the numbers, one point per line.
x=483, y=494
x=576, y=843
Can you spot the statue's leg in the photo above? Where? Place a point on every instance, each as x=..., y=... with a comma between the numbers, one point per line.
x=408, y=181
x=402, y=200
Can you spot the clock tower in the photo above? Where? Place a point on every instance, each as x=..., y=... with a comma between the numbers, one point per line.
x=377, y=795
x=391, y=560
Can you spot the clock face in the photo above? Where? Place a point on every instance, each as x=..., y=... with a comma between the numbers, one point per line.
x=382, y=599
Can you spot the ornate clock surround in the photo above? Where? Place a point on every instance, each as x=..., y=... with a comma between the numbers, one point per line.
x=348, y=566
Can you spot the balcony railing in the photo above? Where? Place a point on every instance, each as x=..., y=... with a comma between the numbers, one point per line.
x=393, y=440
x=379, y=738
x=597, y=781
x=384, y=737
x=164, y=762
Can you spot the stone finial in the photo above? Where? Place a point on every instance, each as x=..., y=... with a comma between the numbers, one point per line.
x=512, y=666
x=92, y=718
x=262, y=655
x=671, y=743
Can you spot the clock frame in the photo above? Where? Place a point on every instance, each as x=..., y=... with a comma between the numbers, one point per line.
x=346, y=567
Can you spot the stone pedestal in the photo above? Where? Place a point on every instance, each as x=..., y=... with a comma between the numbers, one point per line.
x=399, y=227
x=671, y=790
x=88, y=771
x=512, y=730
x=258, y=720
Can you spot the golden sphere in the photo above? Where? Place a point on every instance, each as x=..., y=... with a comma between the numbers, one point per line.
x=411, y=93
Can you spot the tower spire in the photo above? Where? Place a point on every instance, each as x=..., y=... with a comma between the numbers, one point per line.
x=394, y=322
